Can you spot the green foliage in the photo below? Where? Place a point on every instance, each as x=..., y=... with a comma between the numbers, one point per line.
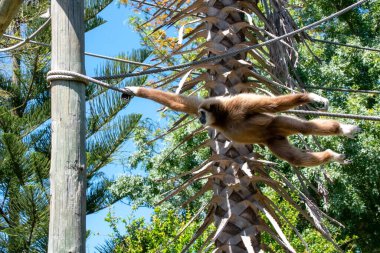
x=355, y=192
x=179, y=155
x=159, y=235
x=92, y=9
x=353, y=196
x=25, y=133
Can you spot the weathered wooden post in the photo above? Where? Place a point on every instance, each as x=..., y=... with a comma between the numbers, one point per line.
x=67, y=228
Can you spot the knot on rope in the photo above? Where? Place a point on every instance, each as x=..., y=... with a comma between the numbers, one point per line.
x=73, y=76
x=66, y=75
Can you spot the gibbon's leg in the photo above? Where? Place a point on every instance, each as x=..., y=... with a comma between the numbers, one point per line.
x=284, y=102
x=174, y=101
x=286, y=125
x=281, y=148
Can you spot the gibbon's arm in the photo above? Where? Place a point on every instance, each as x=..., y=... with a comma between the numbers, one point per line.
x=173, y=101
x=282, y=103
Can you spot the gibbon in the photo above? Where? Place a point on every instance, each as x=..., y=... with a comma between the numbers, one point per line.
x=249, y=119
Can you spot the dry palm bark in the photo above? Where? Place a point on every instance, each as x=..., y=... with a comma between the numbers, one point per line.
x=233, y=172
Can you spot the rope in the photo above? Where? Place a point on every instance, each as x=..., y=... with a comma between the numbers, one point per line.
x=72, y=76
x=334, y=115
x=120, y=60
x=234, y=52
x=30, y=41
x=67, y=75
x=150, y=65
x=86, y=53
x=27, y=39
x=342, y=89
x=346, y=45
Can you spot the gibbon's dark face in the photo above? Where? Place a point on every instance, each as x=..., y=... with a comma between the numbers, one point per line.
x=202, y=116
x=210, y=112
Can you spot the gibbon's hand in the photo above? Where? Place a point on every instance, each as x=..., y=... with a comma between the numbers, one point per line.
x=319, y=102
x=349, y=131
x=340, y=158
x=130, y=92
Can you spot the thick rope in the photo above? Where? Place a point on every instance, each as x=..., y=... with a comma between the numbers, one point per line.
x=335, y=115
x=27, y=39
x=151, y=65
x=54, y=75
x=234, y=52
x=72, y=76
x=346, y=45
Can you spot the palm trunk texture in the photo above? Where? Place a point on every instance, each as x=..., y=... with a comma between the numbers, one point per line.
x=234, y=171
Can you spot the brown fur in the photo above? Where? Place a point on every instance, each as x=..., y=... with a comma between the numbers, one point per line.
x=247, y=118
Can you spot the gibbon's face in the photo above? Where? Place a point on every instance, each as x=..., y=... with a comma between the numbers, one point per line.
x=207, y=113
x=203, y=117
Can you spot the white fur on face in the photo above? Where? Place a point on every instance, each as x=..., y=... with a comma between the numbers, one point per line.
x=209, y=117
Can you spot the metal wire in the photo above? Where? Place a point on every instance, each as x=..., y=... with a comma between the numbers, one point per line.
x=24, y=41
x=342, y=89
x=120, y=60
x=335, y=115
x=346, y=45
x=86, y=53
x=234, y=52
x=150, y=65
x=30, y=41
x=71, y=76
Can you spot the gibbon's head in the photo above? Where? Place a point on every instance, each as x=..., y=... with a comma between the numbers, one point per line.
x=211, y=113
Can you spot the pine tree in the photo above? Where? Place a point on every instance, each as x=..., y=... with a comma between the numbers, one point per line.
x=25, y=131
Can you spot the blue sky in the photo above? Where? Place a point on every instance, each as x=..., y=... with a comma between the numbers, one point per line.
x=110, y=39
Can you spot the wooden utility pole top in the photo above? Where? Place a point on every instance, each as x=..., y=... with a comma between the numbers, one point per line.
x=67, y=227
x=8, y=9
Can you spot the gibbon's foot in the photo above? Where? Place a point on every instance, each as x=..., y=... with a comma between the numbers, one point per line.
x=129, y=92
x=321, y=103
x=349, y=130
x=340, y=158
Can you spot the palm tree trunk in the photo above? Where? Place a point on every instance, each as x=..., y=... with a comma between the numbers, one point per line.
x=230, y=221
x=237, y=205
x=237, y=199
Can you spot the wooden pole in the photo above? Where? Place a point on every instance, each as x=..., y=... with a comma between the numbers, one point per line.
x=8, y=9
x=67, y=227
